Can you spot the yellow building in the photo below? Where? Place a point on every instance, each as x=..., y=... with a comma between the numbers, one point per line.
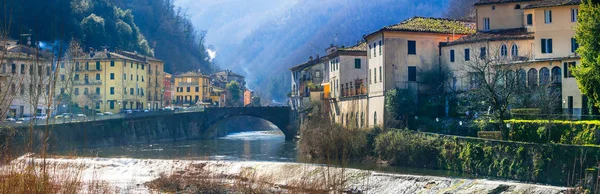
x=104, y=81
x=192, y=88
x=155, y=83
x=535, y=37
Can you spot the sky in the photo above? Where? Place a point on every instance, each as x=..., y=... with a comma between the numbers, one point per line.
x=262, y=39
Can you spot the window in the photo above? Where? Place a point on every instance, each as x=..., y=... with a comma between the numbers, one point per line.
x=380, y=45
x=143, y=66
x=98, y=76
x=62, y=65
x=374, y=49
x=532, y=77
x=112, y=76
x=546, y=45
x=493, y=7
x=124, y=76
x=98, y=65
x=486, y=24
x=548, y=16
x=130, y=91
x=452, y=56
x=368, y=53
x=197, y=89
x=574, y=45
x=188, y=89
x=22, y=68
x=482, y=52
x=13, y=68
x=556, y=75
x=529, y=19
x=370, y=78
x=503, y=51
x=374, y=118
x=85, y=91
x=357, y=63
x=76, y=66
x=131, y=77
x=137, y=77
x=87, y=65
x=62, y=77
x=412, y=47
x=98, y=91
x=568, y=66
x=375, y=75
x=574, y=12
x=112, y=90
x=544, y=76
x=76, y=91
x=517, y=6
x=62, y=90
x=412, y=73
x=380, y=74
x=514, y=50
x=112, y=63
x=76, y=77
x=467, y=54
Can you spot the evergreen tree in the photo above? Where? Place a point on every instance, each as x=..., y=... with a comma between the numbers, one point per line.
x=588, y=36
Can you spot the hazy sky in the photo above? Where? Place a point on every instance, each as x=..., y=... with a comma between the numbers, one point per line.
x=261, y=39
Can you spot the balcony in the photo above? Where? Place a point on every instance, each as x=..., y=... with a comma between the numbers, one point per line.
x=88, y=69
x=89, y=83
x=188, y=84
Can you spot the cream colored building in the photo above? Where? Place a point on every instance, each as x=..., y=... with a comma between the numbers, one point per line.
x=103, y=81
x=347, y=79
x=25, y=78
x=397, y=53
x=535, y=37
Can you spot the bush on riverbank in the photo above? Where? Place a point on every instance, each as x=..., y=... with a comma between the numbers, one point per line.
x=564, y=132
x=546, y=163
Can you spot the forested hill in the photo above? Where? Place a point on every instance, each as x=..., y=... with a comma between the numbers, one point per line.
x=152, y=27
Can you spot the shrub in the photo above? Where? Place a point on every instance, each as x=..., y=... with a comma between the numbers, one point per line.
x=564, y=132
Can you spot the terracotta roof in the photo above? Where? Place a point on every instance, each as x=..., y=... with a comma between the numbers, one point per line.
x=309, y=63
x=100, y=55
x=487, y=2
x=552, y=3
x=359, y=47
x=191, y=74
x=138, y=56
x=433, y=25
x=495, y=35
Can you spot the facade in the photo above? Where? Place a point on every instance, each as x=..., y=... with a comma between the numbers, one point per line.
x=396, y=55
x=167, y=95
x=102, y=81
x=156, y=75
x=348, y=80
x=248, y=94
x=192, y=88
x=220, y=80
x=308, y=80
x=534, y=37
x=25, y=77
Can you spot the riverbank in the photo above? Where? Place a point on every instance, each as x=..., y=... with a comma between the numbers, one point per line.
x=125, y=175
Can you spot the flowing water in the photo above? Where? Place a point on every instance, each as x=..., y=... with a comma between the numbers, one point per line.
x=243, y=146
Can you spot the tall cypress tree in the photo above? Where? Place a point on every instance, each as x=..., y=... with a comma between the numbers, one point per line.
x=588, y=37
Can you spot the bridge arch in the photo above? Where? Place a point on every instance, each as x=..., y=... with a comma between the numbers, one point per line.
x=278, y=116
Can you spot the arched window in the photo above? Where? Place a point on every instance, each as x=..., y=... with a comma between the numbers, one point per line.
x=521, y=77
x=556, y=75
x=503, y=51
x=532, y=78
x=510, y=77
x=544, y=76
x=375, y=119
x=514, y=50
x=362, y=119
x=517, y=6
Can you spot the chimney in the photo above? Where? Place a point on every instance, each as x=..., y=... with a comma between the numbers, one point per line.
x=310, y=58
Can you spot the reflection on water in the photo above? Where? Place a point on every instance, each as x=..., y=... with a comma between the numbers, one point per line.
x=256, y=145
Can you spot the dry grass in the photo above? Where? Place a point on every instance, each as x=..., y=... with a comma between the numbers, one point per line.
x=32, y=178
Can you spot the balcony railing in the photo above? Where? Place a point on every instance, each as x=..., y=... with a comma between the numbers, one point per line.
x=84, y=82
x=353, y=92
x=189, y=83
x=90, y=69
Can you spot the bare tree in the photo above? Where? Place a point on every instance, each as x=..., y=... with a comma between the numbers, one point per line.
x=493, y=82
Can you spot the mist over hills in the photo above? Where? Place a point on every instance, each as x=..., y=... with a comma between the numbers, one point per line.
x=263, y=39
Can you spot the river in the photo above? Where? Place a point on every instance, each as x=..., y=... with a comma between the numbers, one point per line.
x=268, y=146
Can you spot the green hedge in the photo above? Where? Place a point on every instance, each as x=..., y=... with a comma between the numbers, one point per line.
x=544, y=163
x=564, y=132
